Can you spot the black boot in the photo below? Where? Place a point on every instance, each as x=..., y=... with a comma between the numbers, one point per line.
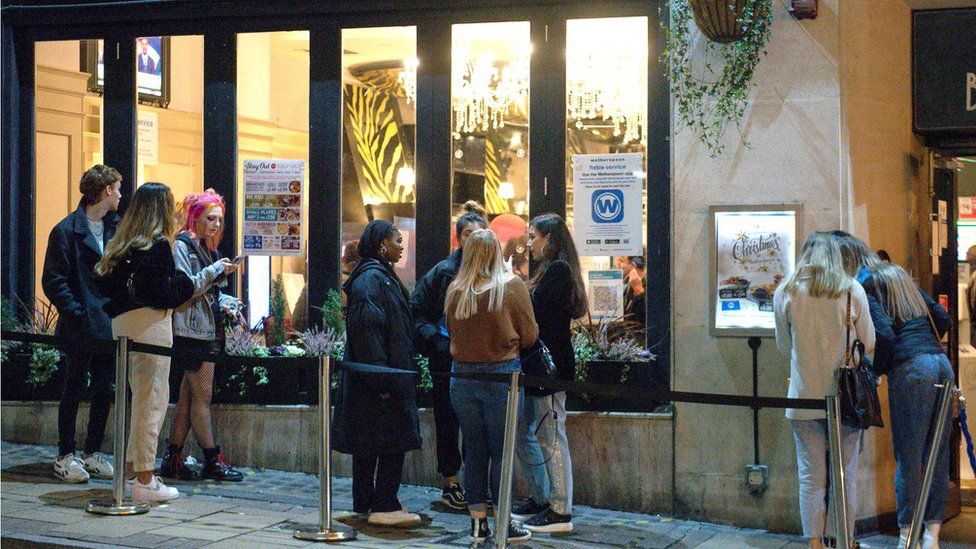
x=215, y=466
x=173, y=466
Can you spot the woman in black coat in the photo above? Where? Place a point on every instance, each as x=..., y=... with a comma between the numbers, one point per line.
x=376, y=414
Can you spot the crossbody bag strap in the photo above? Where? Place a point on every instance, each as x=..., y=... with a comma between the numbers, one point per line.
x=847, y=340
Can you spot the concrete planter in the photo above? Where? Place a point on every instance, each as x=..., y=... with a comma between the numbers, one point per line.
x=620, y=461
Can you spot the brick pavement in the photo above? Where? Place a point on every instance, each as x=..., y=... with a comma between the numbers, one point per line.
x=262, y=511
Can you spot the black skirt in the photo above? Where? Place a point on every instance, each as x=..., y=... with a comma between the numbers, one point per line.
x=193, y=347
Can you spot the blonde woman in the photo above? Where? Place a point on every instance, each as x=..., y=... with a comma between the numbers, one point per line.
x=138, y=275
x=812, y=310
x=490, y=320
x=910, y=353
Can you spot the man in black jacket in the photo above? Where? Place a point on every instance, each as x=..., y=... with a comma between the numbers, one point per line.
x=432, y=341
x=73, y=248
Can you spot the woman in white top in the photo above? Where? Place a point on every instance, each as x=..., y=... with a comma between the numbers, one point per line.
x=811, y=328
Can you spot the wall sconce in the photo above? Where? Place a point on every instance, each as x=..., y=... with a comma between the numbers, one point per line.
x=506, y=190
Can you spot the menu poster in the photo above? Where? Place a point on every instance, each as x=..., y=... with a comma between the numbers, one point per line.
x=753, y=251
x=607, y=190
x=273, y=223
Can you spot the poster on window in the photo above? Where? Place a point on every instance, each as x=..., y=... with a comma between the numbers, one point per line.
x=607, y=207
x=273, y=221
x=605, y=294
x=753, y=250
x=147, y=124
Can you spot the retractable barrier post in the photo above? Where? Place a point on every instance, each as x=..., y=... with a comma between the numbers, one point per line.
x=326, y=531
x=942, y=409
x=508, y=464
x=119, y=505
x=837, y=475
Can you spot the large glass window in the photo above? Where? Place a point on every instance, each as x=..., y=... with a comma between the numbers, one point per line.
x=169, y=77
x=606, y=113
x=67, y=135
x=272, y=123
x=378, y=129
x=490, y=128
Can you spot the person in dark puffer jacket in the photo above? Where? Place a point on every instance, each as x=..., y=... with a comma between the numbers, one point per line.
x=375, y=418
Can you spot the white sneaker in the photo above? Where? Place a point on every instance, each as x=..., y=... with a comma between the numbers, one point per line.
x=930, y=539
x=70, y=469
x=97, y=466
x=397, y=519
x=154, y=491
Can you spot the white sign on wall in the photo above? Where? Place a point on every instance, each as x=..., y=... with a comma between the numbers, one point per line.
x=148, y=135
x=273, y=221
x=605, y=289
x=753, y=250
x=607, y=191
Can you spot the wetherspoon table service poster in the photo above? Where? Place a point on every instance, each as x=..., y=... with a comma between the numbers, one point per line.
x=753, y=250
x=273, y=221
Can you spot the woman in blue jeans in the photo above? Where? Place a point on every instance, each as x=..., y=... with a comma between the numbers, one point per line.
x=489, y=317
x=910, y=326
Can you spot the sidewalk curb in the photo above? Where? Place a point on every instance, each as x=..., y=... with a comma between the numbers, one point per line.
x=9, y=540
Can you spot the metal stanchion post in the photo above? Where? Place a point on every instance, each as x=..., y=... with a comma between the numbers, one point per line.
x=508, y=464
x=119, y=505
x=326, y=531
x=942, y=409
x=837, y=475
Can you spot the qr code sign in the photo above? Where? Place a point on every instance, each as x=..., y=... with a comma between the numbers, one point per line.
x=605, y=299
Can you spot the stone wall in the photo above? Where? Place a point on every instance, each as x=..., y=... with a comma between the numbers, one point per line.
x=620, y=461
x=829, y=127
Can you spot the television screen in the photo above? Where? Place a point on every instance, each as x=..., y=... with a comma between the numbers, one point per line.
x=966, y=237
x=152, y=67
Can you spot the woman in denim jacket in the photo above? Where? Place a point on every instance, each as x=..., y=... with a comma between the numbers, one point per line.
x=198, y=329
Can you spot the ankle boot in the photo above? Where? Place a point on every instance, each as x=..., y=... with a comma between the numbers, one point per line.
x=215, y=466
x=930, y=539
x=173, y=466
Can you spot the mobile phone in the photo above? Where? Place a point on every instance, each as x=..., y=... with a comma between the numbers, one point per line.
x=239, y=259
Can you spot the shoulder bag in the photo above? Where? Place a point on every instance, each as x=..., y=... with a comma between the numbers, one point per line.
x=537, y=362
x=857, y=386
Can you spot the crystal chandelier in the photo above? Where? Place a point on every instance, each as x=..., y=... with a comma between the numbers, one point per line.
x=408, y=79
x=483, y=91
x=606, y=77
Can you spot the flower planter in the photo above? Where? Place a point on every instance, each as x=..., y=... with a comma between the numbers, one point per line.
x=612, y=372
x=721, y=20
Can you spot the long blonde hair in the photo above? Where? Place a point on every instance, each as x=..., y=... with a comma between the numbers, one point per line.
x=902, y=301
x=820, y=259
x=856, y=254
x=482, y=260
x=149, y=217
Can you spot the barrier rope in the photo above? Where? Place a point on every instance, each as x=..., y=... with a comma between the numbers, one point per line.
x=614, y=391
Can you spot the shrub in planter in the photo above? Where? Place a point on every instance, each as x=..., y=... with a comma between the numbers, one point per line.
x=611, y=356
x=30, y=370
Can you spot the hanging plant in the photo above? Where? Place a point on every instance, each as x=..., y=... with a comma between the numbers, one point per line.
x=711, y=95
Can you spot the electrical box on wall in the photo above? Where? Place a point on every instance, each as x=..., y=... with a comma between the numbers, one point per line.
x=757, y=478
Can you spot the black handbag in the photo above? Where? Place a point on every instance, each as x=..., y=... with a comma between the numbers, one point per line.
x=537, y=362
x=857, y=387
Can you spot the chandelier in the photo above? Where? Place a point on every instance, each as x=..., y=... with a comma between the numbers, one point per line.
x=484, y=91
x=407, y=78
x=606, y=75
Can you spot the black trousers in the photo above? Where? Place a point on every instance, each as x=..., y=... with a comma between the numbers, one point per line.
x=78, y=364
x=445, y=420
x=375, y=482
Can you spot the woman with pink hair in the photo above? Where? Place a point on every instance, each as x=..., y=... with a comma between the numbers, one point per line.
x=198, y=329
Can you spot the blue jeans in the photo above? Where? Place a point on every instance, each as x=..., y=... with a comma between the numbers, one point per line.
x=480, y=407
x=912, y=395
x=543, y=451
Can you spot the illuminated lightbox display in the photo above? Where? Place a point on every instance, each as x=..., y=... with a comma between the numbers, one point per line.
x=753, y=249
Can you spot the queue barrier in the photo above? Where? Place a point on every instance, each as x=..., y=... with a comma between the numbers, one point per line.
x=327, y=530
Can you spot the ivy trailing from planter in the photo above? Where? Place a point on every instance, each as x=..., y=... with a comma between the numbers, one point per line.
x=711, y=96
